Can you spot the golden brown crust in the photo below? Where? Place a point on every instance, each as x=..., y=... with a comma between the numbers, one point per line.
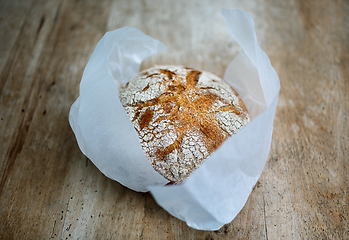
x=182, y=116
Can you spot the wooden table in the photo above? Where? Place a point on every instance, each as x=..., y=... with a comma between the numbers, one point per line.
x=49, y=189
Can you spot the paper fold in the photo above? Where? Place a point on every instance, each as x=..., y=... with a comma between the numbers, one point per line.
x=104, y=132
x=215, y=193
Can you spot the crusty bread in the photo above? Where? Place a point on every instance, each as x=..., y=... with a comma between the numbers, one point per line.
x=181, y=115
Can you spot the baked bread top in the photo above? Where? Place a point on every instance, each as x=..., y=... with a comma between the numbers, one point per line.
x=181, y=116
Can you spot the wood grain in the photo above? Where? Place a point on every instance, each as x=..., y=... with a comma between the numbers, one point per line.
x=49, y=189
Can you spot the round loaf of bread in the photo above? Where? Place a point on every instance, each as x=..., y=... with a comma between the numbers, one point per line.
x=181, y=116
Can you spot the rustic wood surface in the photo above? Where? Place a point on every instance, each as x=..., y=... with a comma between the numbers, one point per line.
x=49, y=189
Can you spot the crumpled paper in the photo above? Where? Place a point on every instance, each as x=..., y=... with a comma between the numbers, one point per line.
x=215, y=193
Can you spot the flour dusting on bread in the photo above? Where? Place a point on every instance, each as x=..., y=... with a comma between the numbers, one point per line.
x=182, y=116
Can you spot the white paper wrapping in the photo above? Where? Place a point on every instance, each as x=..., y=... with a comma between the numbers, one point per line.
x=104, y=132
x=215, y=193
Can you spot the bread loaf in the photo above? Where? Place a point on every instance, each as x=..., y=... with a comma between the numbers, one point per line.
x=181, y=116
